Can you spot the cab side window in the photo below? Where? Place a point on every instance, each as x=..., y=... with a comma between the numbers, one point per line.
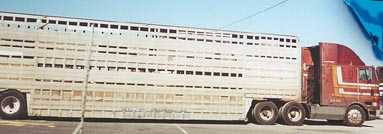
x=365, y=74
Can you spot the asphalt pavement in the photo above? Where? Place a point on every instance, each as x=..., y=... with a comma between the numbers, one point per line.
x=49, y=126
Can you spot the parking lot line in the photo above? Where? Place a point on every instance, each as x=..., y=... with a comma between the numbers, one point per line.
x=181, y=129
x=20, y=123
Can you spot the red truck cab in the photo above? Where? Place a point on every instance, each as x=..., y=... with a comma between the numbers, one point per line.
x=338, y=86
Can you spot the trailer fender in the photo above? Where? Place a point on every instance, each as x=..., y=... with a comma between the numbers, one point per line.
x=11, y=90
x=247, y=109
x=307, y=109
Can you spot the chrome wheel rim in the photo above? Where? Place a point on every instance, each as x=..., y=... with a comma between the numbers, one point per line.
x=354, y=116
x=266, y=113
x=294, y=114
x=10, y=105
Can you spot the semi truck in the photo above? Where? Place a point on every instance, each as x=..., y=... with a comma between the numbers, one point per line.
x=131, y=70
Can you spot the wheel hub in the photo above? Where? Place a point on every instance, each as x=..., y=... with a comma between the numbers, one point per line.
x=266, y=114
x=294, y=114
x=354, y=116
x=10, y=105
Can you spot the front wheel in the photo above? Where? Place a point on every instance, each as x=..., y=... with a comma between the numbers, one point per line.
x=12, y=105
x=355, y=116
x=292, y=113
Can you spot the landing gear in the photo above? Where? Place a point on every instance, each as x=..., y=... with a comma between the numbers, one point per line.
x=12, y=105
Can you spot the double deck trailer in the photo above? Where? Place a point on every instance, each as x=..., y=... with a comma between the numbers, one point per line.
x=149, y=71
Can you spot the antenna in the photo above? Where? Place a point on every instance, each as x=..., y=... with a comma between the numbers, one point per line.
x=255, y=14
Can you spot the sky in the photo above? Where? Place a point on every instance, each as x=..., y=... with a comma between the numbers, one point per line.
x=312, y=21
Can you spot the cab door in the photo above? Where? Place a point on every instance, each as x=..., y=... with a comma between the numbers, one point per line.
x=367, y=82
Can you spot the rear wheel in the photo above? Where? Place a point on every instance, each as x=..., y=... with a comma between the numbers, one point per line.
x=292, y=113
x=12, y=105
x=355, y=116
x=265, y=113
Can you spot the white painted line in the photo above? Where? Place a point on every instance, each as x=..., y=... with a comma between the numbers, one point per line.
x=181, y=129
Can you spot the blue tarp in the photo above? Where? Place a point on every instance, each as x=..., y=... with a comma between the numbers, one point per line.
x=369, y=14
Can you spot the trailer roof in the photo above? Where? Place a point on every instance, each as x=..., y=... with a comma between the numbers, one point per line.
x=153, y=24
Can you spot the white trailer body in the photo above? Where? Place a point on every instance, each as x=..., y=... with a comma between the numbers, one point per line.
x=144, y=71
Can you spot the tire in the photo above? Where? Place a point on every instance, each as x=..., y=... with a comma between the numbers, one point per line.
x=292, y=113
x=12, y=105
x=265, y=113
x=355, y=116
